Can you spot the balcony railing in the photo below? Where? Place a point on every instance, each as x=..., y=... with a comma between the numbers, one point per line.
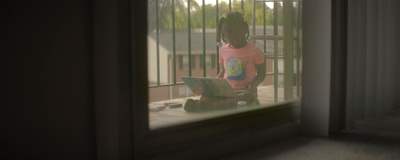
x=291, y=38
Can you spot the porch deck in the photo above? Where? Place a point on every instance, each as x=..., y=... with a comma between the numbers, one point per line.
x=160, y=115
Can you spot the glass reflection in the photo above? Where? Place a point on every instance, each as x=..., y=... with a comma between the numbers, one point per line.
x=251, y=58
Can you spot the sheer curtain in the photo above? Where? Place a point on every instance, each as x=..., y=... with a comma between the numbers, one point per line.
x=373, y=62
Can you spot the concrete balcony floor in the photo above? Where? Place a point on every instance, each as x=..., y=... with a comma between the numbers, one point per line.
x=160, y=115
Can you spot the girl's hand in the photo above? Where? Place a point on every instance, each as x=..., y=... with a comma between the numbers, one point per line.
x=252, y=88
x=249, y=87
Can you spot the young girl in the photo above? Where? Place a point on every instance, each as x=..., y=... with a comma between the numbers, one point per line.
x=242, y=65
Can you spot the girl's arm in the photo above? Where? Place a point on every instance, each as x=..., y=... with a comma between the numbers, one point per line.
x=221, y=73
x=259, y=77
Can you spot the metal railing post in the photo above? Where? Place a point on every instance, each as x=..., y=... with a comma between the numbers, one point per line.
x=217, y=8
x=276, y=71
x=173, y=40
x=288, y=48
x=298, y=50
x=189, y=40
x=230, y=5
x=253, y=19
x=157, y=44
x=204, y=39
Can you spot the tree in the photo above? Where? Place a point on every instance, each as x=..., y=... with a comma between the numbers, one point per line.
x=196, y=13
x=165, y=13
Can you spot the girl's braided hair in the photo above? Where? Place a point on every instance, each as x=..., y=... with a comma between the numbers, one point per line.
x=233, y=18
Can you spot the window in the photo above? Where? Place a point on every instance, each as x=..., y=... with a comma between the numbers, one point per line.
x=150, y=142
x=244, y=129
x=210, y=61
x=122, y=121
x=183, y=32
x=184, y=62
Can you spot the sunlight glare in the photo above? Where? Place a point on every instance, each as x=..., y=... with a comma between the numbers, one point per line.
x=212, y=2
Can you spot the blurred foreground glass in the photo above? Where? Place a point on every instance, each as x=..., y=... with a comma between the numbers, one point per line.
x=182, y=38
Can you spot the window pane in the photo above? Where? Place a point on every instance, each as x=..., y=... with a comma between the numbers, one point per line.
x=174, y=36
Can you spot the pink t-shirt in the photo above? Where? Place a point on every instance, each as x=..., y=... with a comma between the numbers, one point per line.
x=240, y=64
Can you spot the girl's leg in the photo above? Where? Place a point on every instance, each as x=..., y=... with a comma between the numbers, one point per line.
x=248, y=96
x=207, y=103
x=193, y=105
x=215, y=103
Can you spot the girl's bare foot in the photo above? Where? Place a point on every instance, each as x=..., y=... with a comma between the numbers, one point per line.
x=193, y=105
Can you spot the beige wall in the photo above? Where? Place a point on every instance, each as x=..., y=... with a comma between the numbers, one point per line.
x=152, y=61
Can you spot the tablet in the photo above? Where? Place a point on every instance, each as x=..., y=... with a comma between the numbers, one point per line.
x=214, y=87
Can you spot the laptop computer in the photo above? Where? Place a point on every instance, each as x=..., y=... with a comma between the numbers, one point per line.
x=215, y=87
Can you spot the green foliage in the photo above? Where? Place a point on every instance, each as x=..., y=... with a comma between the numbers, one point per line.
x=196, y=13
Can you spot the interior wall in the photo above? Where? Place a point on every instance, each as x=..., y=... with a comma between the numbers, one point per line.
x=394, y=25
x=46, y=110
x=338, y=71
x=316, y=67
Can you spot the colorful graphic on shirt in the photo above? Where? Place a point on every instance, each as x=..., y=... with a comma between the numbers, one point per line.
x=236, y=70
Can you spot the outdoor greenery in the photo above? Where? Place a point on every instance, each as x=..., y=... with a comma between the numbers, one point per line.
x=196, y=13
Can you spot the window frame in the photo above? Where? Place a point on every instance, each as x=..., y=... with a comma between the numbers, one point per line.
x=204, y=133
x=121, y=106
